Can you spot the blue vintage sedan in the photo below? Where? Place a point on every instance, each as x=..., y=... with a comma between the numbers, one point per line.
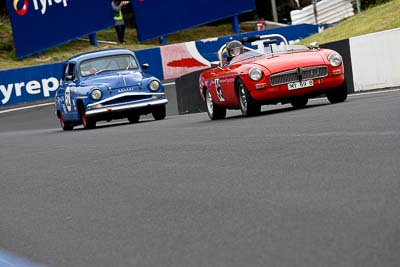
x=106, y=85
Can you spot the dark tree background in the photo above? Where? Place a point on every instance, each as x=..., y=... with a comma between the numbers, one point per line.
x=2, y=7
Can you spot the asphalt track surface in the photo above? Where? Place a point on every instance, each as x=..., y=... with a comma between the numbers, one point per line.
x=318, y=186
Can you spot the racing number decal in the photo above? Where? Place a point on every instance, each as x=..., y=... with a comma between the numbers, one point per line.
x=219, y=90
x=68, y=99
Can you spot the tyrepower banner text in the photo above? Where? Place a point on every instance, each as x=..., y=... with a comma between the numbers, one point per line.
x=38, y=25
x=29, y=84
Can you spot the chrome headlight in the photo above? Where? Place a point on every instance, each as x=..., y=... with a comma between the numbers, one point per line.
x=255, y=74
x=335, y=59
x=96, y=94
x=154, y=85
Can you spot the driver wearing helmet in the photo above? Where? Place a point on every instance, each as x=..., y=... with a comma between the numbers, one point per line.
x=234, y=48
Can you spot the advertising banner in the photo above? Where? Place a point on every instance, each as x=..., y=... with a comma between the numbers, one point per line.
x=29, y=84
x=38, y=25
x=157, y=18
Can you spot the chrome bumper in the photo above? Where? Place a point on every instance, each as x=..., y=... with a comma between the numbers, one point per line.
x=122, y=107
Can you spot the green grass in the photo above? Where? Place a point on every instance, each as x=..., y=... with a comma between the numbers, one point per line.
x=379, y=18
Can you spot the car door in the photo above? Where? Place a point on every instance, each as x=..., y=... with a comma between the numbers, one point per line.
x=66, y=93
x=224, y=85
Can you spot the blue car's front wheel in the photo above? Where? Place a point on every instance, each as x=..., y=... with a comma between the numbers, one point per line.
x=133, y=117
x=159, y=112
x=86, y=122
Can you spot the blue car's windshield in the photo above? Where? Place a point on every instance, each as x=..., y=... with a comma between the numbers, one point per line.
x=108, y=63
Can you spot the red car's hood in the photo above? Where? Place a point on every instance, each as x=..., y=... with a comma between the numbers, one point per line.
x=287, y=61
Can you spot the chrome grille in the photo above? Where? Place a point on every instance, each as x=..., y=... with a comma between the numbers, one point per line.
x=298, y=74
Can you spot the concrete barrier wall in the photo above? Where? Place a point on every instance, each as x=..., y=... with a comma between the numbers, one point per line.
x=328, y=11
x=376, y=60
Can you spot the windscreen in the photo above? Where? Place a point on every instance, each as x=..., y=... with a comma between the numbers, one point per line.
x=270, y=49
x=283, y=48
x=110, y=63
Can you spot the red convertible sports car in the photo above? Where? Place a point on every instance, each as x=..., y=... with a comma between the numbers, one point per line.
x=275, y=73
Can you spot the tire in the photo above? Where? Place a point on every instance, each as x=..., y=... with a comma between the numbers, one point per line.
x=86, y=122
x=338, y=94
x=133, y=117
x=248, y=105
x=299, y=102
x=214, y=112
x=159, y=112
x=66, y=126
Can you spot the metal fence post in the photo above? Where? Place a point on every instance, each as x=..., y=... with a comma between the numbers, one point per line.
x=358, y=6
x=315, y=11
x=274, y=10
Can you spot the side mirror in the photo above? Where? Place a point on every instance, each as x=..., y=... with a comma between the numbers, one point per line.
x=145, y=66
x=314, y=45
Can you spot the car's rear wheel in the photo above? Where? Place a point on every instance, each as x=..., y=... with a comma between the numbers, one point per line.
x=66, y=126
x=338, y=94
x=248, y=105
x=214, y=112
x=133, y=117
x=299, y=102
x=87, y=123
x=159, y=112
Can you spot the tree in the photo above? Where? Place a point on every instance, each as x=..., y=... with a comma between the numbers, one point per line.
x=3, y=8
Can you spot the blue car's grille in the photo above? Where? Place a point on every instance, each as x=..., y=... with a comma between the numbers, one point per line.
x=127, y=99
x=296, y=74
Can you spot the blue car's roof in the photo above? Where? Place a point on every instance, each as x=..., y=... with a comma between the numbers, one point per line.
x=100, y=53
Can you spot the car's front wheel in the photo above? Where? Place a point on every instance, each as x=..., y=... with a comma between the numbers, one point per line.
x=87, y=123
x=133, y=117
x=66, y=126
x=214, y=112
x=159, y=112
x=338, y=94
x=299, y=102
x=248, y=105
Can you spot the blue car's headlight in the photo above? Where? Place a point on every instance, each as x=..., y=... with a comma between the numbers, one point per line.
x=96, y=94
x=154, y=85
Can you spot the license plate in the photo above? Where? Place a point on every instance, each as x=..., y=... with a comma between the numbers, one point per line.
x=302, y=84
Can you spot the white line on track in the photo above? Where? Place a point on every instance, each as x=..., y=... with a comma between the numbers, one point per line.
x=367, y=93
x=26, y=107
x=172, y=83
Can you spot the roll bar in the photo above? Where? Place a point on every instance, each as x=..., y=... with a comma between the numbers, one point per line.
x=263, y=37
